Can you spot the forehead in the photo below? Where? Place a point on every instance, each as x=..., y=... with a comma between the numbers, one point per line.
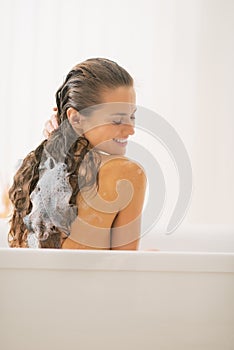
x=118, y=108
x=121, y=94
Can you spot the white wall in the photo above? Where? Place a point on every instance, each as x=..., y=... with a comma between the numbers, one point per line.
x=181, y=53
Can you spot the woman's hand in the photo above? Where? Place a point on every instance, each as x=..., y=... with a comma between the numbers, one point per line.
x=51, y=124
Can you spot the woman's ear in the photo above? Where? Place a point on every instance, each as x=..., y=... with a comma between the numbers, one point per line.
x=73, y=116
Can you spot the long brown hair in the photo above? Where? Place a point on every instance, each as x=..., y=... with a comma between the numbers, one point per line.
x=81, y=89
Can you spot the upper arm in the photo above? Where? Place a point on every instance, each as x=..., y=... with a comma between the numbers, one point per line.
x=126, y=228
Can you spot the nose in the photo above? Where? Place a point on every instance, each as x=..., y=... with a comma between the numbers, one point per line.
x=128, y=129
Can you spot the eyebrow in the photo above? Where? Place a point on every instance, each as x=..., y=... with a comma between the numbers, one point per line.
x=123, y=114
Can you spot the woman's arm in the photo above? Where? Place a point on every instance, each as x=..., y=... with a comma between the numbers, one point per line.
x=126, y=228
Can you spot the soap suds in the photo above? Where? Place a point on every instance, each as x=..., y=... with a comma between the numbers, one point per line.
x=50, y=203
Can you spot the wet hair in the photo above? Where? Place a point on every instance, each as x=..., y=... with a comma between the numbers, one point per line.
x=65, y=152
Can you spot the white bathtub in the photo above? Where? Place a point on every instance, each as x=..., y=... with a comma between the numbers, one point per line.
x=57, y=299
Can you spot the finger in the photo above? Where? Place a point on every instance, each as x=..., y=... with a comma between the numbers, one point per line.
x=49, y=127
x=54, y=122
x=46, y=134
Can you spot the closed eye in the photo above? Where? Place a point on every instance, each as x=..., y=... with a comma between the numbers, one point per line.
x=117, y=122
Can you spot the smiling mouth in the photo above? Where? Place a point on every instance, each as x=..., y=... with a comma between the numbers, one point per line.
x=121, y=142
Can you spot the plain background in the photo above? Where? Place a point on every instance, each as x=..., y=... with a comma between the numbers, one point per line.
x=181, y=54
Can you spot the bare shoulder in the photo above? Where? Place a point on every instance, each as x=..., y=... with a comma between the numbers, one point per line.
x=118, y=166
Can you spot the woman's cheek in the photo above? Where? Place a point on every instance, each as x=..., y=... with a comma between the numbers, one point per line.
x=101, y=134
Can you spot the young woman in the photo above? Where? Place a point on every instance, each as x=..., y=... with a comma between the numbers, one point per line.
x=77, y=190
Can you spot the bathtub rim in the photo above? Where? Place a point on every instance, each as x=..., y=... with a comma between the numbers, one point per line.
x=160, y=261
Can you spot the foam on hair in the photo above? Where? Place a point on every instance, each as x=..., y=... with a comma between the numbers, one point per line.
x=50, y=203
